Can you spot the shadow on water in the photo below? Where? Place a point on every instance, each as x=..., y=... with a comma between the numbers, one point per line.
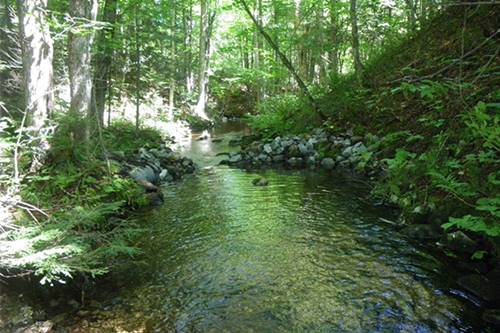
x=305, y=254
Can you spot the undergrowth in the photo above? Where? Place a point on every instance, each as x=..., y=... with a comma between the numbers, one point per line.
x=80, y=225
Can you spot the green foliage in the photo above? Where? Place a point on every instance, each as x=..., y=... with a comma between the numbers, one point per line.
x=85, y=198
x=79, y=240
x=283, y=114
x=123, y=136
x=457, y=169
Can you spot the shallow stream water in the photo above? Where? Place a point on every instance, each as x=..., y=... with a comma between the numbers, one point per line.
x=308, y=253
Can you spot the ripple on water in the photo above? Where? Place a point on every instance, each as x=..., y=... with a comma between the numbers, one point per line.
x=302, y=254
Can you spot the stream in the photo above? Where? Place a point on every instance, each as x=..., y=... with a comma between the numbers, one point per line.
x=308, y=253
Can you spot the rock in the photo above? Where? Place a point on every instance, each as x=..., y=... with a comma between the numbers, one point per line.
x=347, y=152
x=345, y=142
x=267, y=148
x=311, y=161
x=359, y=148
x=278, y=158
x=294, y=161
x=261, y=181
x=421, y=232
x=165, y=176
x=328, y=163
x=144, y=173
x=148, y=187
x=264, y=158
x=492, y=316
x=460, y=242
x=481, y=286
x=293, y=151
x=155, y=198
x=144, y=154
x=234, y=158
x=344, y=163
x=339, y=158
x=304, y=149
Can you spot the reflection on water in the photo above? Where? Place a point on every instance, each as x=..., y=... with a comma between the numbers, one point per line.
x=304, y=254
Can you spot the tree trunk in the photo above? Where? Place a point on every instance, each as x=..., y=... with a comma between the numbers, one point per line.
x=206, y=22
x=286, y=62
x=79, y=64
x=37, y=53
x=334, y=26
x=173, y=52
x=412, y=14
x=37, y=50
x=138, y=70
x=103, y=61
x=358, y=66
x=188, y=48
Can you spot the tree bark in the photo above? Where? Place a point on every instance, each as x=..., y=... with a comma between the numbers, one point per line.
x=334, y=26
x=358, y=66
x=173, y=67
x=206, y=22
x=103, y=61
x=79, y=64
x=37, y=54
x=286, y=62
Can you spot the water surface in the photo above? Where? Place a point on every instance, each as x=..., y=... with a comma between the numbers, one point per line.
x=308, y=253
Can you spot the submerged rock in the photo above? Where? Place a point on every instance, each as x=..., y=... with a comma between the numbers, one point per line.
x=261, y=181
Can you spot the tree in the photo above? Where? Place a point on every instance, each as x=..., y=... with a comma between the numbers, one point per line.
x=103, y=59
x=83, y=14
x=358, y=66
x=286, y=62
x=206, y=23
x=37, y=53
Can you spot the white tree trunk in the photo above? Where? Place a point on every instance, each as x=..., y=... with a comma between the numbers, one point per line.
x=79, y=59
x=37, y=47
x=199, y=109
